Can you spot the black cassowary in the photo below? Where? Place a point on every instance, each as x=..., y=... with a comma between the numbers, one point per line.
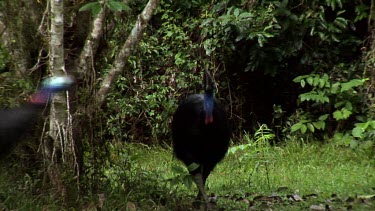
x=201, y=133
x=15, y=122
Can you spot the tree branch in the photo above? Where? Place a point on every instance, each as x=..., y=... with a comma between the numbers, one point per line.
x=91, y=45
x=126, y=50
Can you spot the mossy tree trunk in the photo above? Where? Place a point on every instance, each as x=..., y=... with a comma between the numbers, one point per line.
x=369, y=60
x=59, y=146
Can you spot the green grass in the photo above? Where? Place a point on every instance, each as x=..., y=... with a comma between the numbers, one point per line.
x=139, y=176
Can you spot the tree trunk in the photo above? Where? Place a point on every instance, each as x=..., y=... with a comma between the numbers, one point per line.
x=59, y=145
x=369, y=58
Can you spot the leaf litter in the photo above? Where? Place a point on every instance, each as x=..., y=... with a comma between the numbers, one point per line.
x=311, y=201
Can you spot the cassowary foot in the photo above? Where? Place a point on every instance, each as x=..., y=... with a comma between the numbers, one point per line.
x=200, y=204
x=202, y=196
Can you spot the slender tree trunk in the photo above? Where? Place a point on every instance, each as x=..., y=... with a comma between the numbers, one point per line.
x=59, y=145
x=86, y=57
x=369, y=58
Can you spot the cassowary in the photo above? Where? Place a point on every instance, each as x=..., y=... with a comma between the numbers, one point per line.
x=201, y=133
x=15, y=122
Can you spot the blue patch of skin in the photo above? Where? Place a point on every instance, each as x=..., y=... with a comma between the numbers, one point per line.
x=208, y=106
x=57, y=84
x=50, y=86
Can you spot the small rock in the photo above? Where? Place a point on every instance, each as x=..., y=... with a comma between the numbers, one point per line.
x=317, y=207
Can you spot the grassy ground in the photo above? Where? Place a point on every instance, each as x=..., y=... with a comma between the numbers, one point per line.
x=291, y=177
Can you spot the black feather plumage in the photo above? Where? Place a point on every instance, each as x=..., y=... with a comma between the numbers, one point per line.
x=198, y=137
x=15, y=122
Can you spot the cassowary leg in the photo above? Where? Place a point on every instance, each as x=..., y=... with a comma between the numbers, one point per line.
x=198, y=178
x=200, y=181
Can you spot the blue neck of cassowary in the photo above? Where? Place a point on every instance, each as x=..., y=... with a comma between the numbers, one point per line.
x=49, y=87
x=208, y=106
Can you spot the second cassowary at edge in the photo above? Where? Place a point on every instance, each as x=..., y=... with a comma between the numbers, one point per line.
x=15, y=122
x=201, y=133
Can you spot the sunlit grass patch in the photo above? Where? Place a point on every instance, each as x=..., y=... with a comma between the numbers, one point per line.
x=259, y=176
x=304, y=169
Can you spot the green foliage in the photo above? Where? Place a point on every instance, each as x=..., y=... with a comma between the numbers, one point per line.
x=181, y=176
x=362, y=135
x=256, y=149
x=14, y=90
x=338, y=102
x=4, y=58
x=113, y=5
x=279, y=38
x=306, y=123
x=262, y=139
x=361, y=129
x=275, y=31
x=238, y=24
x=342, y=96
x=161, y=72
x=227, y=27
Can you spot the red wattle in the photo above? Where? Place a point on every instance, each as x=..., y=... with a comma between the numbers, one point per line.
x=208, y=119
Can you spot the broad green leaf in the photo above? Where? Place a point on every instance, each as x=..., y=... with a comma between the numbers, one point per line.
x=358, y=132
x=321, y=83
x=323, y=117
x=350, y=84
x=341, y=114
x=193, y=167
x=246, y=15
x=346, y=113
x=117, y=6
x=335, y=87
x=363, y=125
x=90, y=6
x=236, y=12
x=299, y=78
x=311, y=127
x=303, y=83
x=310, y=80
x=268, y=35
x=316, y=81
x=349, y=106
x=296, y=127
x=343, y=139
x=341, y=22
x=178, y=169
x=337, y=115
x=188, y=181
x=303, y=129
x=323, y=98
x=339, y=3
x=319, y=125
